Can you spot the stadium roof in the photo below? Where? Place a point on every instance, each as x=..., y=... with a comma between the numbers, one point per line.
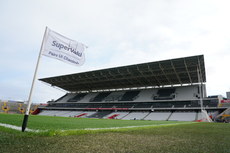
x=159, y=73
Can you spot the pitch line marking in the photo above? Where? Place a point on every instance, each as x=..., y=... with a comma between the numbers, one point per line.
x=18, y=128
x=126, y=127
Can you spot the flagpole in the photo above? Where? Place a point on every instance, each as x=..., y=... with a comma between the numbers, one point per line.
x=26, y=116
x=200, y=88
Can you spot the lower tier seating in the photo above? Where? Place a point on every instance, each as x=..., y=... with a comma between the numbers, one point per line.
x=132, y=115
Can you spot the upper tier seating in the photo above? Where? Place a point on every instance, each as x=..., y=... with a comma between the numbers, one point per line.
x=77, y=98
x=165, y=94
x=146, y=95
x=100, y=97
x=114, y=96
x=59, y=99
x=65, y=98
x=129, y=95
x=187, y=92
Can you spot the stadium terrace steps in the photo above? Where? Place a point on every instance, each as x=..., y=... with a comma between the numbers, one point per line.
x=114, y=96
x=158, y=116
x=133, y=104
x=189, y=104
x=59, y=99
x=135, y=116
x=77, y=98
x=165, y=94
x=130, y=95
x=89, y=113
x=83, y=114
x=144, y=95
x=65, y=98
x=119, y=115
x=63, y=114
x=183, y=116
x=88, y=97
x=48, y=112
x=100, y=114
x=74, y=113
x=113, y=116
x=100, y=97
x=188, y=92
x=132, y=115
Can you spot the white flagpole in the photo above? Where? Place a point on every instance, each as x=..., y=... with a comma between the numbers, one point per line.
x=200, y=88
x=25, y=120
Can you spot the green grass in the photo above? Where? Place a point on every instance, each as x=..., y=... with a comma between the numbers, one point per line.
x=183, y=138
x=67, y=123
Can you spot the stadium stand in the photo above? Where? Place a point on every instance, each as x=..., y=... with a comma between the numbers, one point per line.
x=113, y=116
x=64, y=98
x=88, y=114
x=144, y=105
x=80, y=115
x=165, y=94
x=59, y=99
x=100, y=97
x=114, y=96
x=88, y=97
x=48, y=112
x=136, y=116
x=183, y=116
x=116, y=115
x=187, y=92
x=100, y=114
x=162, y=90
x=77, y=98
x=72, y=113
x=130, y=95
x=124, y=105
x=66, y=113
x=145, y=95
x=108, y=105
x=158, y=116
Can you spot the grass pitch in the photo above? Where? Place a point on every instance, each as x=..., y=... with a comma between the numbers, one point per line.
x=57, y=125
x=180, y=138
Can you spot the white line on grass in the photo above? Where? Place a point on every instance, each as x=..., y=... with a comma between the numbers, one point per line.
x=18, y=128
x=126, y=127
x=111, y=128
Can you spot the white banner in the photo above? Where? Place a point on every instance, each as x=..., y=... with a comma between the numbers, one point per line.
x=62, y=48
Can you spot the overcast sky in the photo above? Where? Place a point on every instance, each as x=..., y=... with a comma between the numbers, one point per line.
x=117, y=32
